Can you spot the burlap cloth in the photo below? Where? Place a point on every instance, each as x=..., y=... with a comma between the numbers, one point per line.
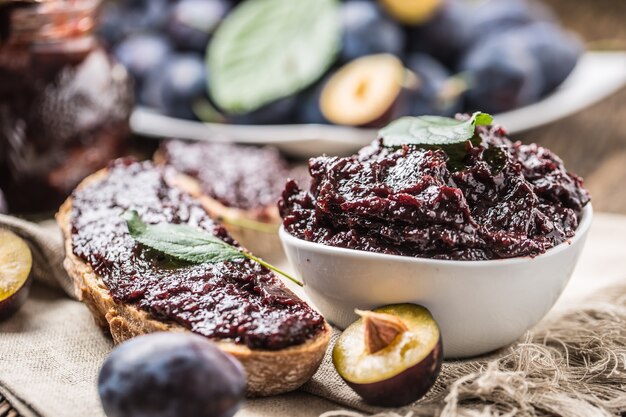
x=572, y=364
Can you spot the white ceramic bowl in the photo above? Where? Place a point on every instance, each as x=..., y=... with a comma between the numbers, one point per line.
x=480, y=305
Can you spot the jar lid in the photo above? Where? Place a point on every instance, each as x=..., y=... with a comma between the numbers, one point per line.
x=48, y=20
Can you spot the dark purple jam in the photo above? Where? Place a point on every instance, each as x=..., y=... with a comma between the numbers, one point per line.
x=239, y=300
x=243, y=177
x=410, y=202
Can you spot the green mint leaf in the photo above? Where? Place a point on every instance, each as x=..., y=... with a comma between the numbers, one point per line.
x=189, y=244
x=432, y=131
x=447, y=134
x=181, y=241
x=482, y=119
x=135, y=225
x=269, y=49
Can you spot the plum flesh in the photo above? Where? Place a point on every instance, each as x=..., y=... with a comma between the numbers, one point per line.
x=15, y=266
x=399, y=373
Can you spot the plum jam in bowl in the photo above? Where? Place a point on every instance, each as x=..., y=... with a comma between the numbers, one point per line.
x=480, y=305
x=450, y=214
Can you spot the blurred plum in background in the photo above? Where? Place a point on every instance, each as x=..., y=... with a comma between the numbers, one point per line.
x=367, y=31
x=192, y=22
x=175, y=86
x=490, y=55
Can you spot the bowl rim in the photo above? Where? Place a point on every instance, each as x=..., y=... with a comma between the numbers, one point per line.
x=581, y=231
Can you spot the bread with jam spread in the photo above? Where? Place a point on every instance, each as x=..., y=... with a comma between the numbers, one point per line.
x=132, y=290
x=238, y=185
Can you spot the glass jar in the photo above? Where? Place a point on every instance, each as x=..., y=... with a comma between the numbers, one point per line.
x=64, y=102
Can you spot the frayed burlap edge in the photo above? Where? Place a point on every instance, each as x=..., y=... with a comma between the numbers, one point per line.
x=571, y=365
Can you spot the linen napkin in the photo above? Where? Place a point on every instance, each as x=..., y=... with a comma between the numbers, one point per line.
x=572, y=364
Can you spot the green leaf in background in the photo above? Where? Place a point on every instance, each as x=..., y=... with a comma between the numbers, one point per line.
x=268, y=49
x=431, y=130
x=189, y=244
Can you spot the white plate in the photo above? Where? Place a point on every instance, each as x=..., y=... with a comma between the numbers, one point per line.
x=597, y=75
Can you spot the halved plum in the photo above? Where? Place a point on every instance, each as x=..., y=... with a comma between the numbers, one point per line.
x=411, y=12
x=364, y=91
x=15, y=264
x=390, y=356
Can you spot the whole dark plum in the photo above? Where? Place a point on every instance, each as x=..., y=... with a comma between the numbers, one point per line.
x=494, y=17
x=503, y=74
x=110, y=29
x=192, y=22
x=309, y=106
x=432, y=94
x=461, y=25
x=446, y=35
x=141, y=54
x=170, y=375
x=366, y=31
x=556, y=50
x=119, y=19
x=147, y=14
x=174, y=87
x=519, y=66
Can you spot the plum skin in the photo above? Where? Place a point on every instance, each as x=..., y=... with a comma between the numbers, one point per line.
x=367, y=30
x=425, y=99
x=10, y=305
x=505, y=74
x=308, y=109
x=174, y=87
x=140, y=54
x=191, y=23
x=171, y=375
x=394, y=391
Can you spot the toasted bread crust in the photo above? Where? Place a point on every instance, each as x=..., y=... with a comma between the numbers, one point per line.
x=268, y=372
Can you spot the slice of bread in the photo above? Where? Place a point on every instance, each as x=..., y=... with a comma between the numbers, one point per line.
x=263, y=243
x=268, y=372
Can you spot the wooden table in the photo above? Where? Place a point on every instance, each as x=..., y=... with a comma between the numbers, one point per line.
x=593, y=142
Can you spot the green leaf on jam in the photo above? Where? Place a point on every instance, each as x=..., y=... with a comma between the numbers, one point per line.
x=269, y=49
x=181, y=241
x=432, y=131
x=188, y=243
x=447, y=134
